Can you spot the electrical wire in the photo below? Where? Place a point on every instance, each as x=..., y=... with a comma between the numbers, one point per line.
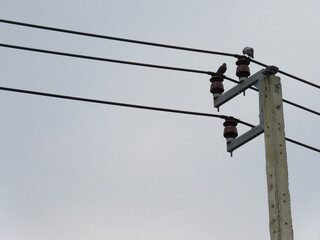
x=303, y=145
x=141, y=107
x=115, y=38
x=148, y=43
x=288, y=75
x=120, y=104
x=143, y=65
x=301, y=107
x=104, y=59
x=293, y=104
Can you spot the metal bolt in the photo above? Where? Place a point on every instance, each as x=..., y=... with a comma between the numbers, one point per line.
x=277, y=87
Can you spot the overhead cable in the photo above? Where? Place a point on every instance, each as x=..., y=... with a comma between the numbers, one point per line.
x=288, y=75
x=119, y=104
x=140, y=64
x=103, y=59
x=303, y=145
x=148, y=43
x=293, y=104
x=115, y=38
x=141, y=107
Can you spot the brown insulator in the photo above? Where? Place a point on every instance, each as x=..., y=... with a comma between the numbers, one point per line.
x=243, y=60
x=243, y=70
x=230, y=131
x=216, y=78
x=216, y=89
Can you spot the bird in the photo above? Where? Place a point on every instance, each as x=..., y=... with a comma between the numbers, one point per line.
x=248, y=51
x=222, y=69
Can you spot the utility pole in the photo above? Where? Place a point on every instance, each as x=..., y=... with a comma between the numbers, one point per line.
x=276, y=160
x=272, y=124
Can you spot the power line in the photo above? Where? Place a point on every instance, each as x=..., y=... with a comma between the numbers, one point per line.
x=142, y=65
x=141, y=107
x=301, y=107
x=303, y=145
x=148, y=43
x=294, y=104
x=120, y=104
x=115, y=38
x=288, y=75
x=104, y=59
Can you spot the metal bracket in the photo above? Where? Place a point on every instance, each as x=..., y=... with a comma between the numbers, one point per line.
x=255, y=80
x=239, y=88
x=244, y=138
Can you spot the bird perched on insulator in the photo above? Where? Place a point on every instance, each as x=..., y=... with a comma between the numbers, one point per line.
x=222, y=69
x=248, y=51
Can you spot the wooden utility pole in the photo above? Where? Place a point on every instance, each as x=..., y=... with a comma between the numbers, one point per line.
x=276, y=160
x=272, y=124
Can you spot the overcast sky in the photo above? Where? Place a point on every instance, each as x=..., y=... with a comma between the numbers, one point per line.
x=74, y=170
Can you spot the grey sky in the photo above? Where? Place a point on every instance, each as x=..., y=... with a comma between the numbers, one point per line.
x=73, y=170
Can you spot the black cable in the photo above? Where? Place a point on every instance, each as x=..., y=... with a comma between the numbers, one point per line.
x=303, y=145
x=148, y=43
x=302, y=107
x=104, y=59
x=120, y=104
x=115, y=38
x=142, y=107
x=140, y=64
x=293, y=104
x=288, y=75
x=259, y=63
